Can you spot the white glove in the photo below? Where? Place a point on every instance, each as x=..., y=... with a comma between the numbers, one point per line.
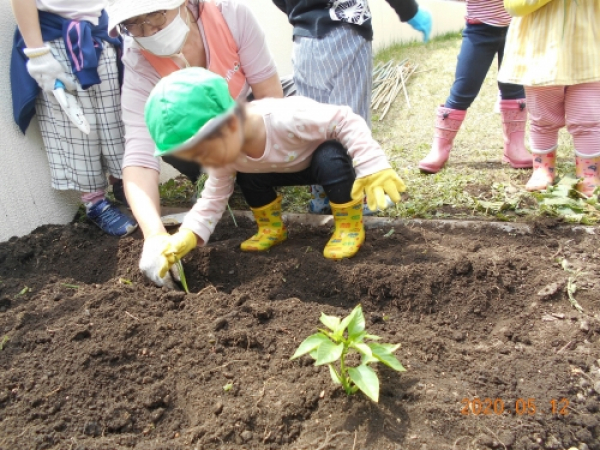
x=154, y=261
x=45, y=69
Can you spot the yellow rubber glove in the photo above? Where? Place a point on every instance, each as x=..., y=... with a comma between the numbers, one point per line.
x=178, y=245
x=376, y=186
x=523, y=7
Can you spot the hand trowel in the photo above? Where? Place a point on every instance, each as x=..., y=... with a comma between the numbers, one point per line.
x=71, y=107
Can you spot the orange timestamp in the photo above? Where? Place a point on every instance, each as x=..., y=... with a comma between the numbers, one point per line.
x=520, y=407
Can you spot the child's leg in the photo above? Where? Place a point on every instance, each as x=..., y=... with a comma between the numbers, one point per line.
x=333, y=168
x=479, y=47
x=513, y=108
x=583, y=123
x=75, y=159
x=546, y=117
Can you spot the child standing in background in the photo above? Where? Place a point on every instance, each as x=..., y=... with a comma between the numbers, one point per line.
x=68, y=41
x=483, y=38
x=553, y=49
x=333, y=55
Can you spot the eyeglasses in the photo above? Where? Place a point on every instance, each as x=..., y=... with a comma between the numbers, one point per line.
x=154, y=20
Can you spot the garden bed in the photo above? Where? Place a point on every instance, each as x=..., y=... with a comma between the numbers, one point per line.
x=95, y=357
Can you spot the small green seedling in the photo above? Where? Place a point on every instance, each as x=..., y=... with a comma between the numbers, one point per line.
x=346, y=335
x=24, y=291
x=228, y=387
x=182, y=277
x=5, y=340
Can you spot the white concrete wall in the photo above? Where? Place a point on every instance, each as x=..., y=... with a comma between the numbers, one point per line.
x=26, y=199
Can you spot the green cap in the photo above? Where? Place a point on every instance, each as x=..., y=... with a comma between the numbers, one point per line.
x=185, y=107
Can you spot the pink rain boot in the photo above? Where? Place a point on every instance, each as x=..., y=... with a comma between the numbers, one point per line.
x=588, y=168
x=447, y=124
x=514, y=118
x=544, y=170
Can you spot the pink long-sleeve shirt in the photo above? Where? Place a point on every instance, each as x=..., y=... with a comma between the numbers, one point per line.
x=295, y=127
x=140, y=77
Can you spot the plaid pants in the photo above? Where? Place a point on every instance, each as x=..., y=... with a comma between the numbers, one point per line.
x=78, y=161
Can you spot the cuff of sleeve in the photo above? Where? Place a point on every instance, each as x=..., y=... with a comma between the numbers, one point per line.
x=202, y=232
x=36, y=52
x=372, y=166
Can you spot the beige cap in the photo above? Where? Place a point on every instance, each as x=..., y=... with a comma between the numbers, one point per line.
x=120, y=11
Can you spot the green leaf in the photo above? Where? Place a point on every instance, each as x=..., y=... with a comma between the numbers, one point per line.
x=368, y=359
x=339, y=331
x=328, y=352
x=334, y=375
x=383, y=348
x=309, y=344
x=330, y=322
x=372, y=337
x=362, y=348
x=357, y=324
x=366, y=379
x=383, y=352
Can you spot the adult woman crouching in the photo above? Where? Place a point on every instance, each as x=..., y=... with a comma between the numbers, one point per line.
x=163, y=36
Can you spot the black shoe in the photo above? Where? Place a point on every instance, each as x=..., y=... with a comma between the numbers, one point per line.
x=119, y=193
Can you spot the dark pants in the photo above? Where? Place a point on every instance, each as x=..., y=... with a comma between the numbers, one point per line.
x=193, y=170
x=480, y=45
x=330, y=167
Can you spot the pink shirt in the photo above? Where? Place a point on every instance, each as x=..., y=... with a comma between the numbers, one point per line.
x=88, y=10
x=141, y=77
x=490, y=12
x=295, y=127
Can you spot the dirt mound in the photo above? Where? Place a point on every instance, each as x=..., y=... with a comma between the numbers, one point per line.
x=95, y=357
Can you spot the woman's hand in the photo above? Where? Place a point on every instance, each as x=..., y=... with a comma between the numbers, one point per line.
x=162, y=251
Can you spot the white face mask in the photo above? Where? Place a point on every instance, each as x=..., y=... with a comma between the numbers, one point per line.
x=169, y=41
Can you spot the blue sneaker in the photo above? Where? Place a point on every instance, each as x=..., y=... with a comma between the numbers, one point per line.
x=110, y=219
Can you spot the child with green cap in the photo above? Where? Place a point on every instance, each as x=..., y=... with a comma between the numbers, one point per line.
x=264, y=144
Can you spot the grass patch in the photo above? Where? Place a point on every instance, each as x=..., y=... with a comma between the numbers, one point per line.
x=474, y=184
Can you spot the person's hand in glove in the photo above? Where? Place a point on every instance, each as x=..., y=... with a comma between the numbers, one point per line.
x=376, y=186
x=45, y=69
x=162, y=251
x=422, y=22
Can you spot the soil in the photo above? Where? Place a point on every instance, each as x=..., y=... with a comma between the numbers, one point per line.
x=95, y=357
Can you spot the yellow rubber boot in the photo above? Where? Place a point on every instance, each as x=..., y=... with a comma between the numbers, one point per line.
x=271, y=229
x=349, y=232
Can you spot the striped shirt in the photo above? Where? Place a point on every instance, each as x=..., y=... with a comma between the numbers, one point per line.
x=554, y=45
x=490, y=12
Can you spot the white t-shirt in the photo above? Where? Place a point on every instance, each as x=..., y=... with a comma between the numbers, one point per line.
x=88, y=10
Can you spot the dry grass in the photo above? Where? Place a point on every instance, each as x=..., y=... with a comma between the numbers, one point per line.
x=474, y=183
x=474, y=173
